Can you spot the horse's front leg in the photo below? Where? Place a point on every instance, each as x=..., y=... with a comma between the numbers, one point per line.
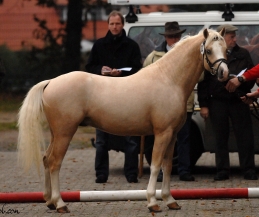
x=162, y=140
x=167, y=169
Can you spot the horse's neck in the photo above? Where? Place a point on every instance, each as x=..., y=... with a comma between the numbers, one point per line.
x=183, y=65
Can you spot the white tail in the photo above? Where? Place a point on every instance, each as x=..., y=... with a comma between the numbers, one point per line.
x=30, y=138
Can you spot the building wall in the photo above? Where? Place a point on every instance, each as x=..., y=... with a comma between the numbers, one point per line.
x=17, y=24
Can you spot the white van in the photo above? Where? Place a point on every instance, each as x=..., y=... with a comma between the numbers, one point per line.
x=149, y=25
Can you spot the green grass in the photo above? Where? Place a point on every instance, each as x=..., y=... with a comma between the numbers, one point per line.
x=10, y=102
x=8, y=126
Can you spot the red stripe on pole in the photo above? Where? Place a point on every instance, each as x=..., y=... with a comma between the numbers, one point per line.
x=36, y=197
x=210, y=193
x=72, y=196
x=21, y=197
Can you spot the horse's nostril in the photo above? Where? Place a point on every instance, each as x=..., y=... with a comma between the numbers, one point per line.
x=221, y=73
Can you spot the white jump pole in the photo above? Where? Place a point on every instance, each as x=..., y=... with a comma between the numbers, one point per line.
x=122, y=195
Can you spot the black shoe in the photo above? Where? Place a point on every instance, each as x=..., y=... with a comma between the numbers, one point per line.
x=132, y=179
x=187, y=177
x=160, y=176
x=250, y=175
x=93, y=142
x=221, y=176
x=101, y=179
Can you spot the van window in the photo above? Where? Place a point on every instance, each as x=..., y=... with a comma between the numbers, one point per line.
x=248, y=37
x=148, y=37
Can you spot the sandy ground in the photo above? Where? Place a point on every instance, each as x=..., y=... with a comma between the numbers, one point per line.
x=8, y=138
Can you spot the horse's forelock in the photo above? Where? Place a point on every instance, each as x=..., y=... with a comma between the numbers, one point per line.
x=213, y=36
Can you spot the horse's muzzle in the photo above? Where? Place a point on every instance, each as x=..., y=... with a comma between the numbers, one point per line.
x=222, y=72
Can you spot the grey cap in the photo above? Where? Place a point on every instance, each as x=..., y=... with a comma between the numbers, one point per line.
x=228, y=28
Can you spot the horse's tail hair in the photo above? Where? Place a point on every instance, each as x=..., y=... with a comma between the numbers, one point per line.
x=30, y=118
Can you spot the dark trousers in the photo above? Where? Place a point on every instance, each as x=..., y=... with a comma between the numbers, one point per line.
x=183, y=146
x=239, y=114
x=131, y=151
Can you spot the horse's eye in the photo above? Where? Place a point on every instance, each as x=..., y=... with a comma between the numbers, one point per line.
x=208, y=51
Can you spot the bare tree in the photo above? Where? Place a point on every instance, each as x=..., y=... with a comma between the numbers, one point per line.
x=73, y=37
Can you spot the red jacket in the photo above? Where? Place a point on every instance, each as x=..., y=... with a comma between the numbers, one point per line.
x=252, y=73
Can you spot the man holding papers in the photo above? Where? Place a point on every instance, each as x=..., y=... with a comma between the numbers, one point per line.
x=220, y=106
x=115, y=55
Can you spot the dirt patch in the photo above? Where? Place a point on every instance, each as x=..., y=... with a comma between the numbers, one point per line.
x=8, y=138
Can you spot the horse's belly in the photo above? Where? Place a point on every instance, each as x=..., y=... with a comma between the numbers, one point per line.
x=122, y=127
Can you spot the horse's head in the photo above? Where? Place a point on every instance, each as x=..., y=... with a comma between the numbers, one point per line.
x=214, y=50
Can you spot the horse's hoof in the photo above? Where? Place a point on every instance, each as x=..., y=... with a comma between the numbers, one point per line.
x=63, y=209
x=174, y=206
x=51, y=207
x=155, y=208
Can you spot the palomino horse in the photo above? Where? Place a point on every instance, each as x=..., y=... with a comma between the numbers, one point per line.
x=152, y=101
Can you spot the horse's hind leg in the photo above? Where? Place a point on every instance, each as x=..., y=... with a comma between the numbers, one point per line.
x=167, y=168
x=58, y=151
x=47, y=191
x=162, y=140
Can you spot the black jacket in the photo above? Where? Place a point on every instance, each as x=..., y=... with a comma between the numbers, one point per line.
x=210, y=87
x=115, y=52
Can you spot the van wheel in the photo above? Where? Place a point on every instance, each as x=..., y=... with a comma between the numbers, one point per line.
x=196, y=148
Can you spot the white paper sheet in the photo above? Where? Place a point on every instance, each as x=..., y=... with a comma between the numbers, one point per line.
x=239, y=74
x=125, y=69
x=122, y=69
x=242, y=72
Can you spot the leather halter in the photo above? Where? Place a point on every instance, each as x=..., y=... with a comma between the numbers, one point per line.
x=213, y=71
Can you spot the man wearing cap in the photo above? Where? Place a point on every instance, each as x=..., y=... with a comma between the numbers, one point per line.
x=221, y=105
x=172, y=35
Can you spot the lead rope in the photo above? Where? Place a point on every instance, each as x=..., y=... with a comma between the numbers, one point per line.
x=255, y=112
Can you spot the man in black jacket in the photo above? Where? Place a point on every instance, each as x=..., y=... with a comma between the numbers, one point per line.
x=108, y=56
x=215, y=101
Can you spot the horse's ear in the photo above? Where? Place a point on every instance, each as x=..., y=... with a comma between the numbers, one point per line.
x=205, y=33
x=222, y=32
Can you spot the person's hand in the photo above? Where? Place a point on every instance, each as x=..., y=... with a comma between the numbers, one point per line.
x=248, y=98
x=106, y=70
x=204, y=112
x=115, y=72
x=232, y=84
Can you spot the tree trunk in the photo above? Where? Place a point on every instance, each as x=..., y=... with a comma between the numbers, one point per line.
x=73, y=38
